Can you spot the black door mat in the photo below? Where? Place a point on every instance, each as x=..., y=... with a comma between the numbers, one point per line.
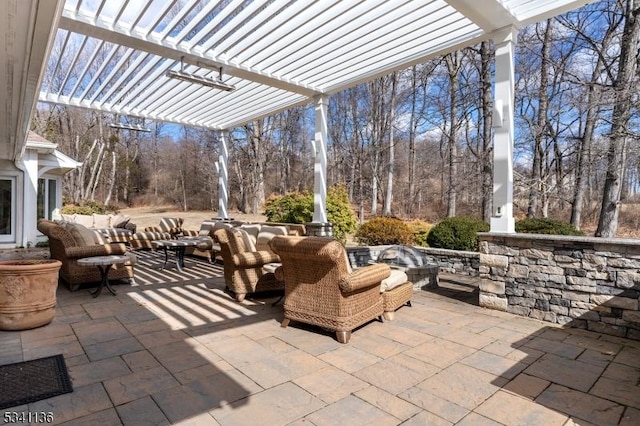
x=30, y=381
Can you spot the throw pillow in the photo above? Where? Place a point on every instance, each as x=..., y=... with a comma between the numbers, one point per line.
x=84, y=219
x=246, y=239
x=101, y=221
x=119, y=221
x=82, y=235
x=68, y=218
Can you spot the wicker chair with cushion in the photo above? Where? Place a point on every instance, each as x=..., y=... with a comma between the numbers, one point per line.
x=70, y=242
x=321, y=290
x=246, y=270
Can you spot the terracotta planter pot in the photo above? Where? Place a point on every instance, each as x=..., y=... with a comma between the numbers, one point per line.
x=28, y=293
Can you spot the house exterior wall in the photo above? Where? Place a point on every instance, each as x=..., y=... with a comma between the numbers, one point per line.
x=589, y=283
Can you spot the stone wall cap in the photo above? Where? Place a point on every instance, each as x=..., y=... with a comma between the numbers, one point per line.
x=547, y=237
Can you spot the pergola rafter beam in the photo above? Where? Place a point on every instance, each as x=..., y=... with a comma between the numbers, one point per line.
x=81, y=25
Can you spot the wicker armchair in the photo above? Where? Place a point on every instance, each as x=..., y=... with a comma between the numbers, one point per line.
x=246, y=270
x=321, y=290
x=64, y=248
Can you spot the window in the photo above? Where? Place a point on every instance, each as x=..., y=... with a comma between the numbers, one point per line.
x=47, y=196
x=7, y=207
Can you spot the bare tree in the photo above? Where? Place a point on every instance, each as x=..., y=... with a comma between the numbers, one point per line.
x=390, y=163
x=453, y=62
x=623, y=84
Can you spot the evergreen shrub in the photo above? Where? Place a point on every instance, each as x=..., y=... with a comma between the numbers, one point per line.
x=545, y=225
x=420, y=230
x=88, y=208
x=384, y=230
x=297, y=207
x=457, y=233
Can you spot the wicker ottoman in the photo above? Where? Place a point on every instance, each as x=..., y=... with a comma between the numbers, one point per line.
x=395, y=298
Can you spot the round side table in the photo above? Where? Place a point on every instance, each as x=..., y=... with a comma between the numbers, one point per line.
x=104, y=264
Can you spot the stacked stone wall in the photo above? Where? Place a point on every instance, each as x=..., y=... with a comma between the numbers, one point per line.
x=589, y=283
x=450, y=261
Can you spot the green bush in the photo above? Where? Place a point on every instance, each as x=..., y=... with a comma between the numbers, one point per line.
x=384, y=230
x=546, y=226
x=457, y=233
x=88, y=208
x=297, y=207
x=420, y=230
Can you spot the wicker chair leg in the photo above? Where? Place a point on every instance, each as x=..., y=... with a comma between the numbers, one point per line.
x=343, y=336
x=389, y=315
x=240, y=297
x=285, y=323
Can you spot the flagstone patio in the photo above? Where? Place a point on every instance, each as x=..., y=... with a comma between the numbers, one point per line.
x=174, y=348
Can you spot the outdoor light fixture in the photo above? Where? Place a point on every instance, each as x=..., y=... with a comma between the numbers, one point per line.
x=198, y=79
x=134, y=127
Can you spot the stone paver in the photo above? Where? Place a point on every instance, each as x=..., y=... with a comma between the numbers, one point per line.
x=139, y=384
x=509, y=409
x=351, y=411
x=568, y=372
x=330, y=384
x=276, y=406
x=143, y=411
x=98, y=371
x=183, y=352
x=580, y=405
x=435, y=404
x=393, y=405
x=463, y=385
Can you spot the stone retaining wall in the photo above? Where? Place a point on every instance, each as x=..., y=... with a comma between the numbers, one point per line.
x=590, y=283
x=451, y=261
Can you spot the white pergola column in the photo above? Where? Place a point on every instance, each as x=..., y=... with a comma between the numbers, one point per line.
x=30, y=200
x=223, y=175
x=503, y=138
x=320, y=226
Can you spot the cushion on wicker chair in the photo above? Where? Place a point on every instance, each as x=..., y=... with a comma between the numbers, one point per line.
x=82, y=235
x=394, y=280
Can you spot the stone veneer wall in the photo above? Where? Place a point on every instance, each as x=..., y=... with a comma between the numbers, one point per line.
x=590, y=283
x=451, y=261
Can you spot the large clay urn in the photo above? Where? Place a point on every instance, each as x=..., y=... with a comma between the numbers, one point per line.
x=28, y=293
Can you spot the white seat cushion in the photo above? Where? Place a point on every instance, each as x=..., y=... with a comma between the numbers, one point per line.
x=249, y=245
x=271, y=267
x=396, y=278
x=266, y=234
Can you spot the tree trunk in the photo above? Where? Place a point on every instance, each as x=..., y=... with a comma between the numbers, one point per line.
x=541, y=124
x=389, y=198
x=609, y=211
x=584, y=152
x=453, y=66
x=487, y=154
x=412, y=144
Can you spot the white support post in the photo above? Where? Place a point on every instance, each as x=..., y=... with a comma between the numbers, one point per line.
x=320, y=226
x=29, y=213
x=503, y=138
x=223, y=175
x=320, y=164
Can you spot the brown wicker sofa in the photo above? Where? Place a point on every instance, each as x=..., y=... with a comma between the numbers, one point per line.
x=68, y=248
x=246, y=270
x=320, y=290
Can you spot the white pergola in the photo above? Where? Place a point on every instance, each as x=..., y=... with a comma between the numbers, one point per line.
x=114, y=55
